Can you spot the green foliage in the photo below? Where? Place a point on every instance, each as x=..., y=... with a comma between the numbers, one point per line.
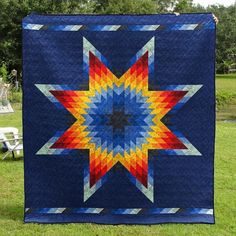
x=133, y=6
x=12, y=12
x=227, y=76
x=183, y=6
x=125, y=6
x=15, y=97
x=3, y=72
x=226, y=37
x=224, y=98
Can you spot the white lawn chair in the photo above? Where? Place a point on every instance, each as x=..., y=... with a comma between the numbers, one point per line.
x=13, y=143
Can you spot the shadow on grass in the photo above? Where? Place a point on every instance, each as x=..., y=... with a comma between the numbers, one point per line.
x=11, y=212
x=11, y=159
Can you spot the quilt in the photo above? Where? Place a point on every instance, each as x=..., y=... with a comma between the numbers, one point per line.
x=119, y=118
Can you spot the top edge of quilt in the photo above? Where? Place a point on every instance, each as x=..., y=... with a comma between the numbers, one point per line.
x=190, y=18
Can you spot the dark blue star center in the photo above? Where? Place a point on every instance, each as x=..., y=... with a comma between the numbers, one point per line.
x=118, y=120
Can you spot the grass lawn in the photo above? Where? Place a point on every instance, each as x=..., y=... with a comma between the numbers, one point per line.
x=11, y=195
x=226, y=84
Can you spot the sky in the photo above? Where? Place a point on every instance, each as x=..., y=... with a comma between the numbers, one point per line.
x=210, y=2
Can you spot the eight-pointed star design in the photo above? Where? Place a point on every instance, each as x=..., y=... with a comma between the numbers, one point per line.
x=119, y=119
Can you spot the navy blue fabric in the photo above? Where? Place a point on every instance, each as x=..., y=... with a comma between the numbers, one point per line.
x=56, y=57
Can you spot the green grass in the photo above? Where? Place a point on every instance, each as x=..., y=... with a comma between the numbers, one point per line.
x=12, y=119
x=226, y=76
x=11, y=196
x=226, y=85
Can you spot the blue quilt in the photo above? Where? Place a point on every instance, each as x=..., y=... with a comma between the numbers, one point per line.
x=119, y=118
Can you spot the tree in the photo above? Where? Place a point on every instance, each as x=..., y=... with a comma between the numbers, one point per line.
x=3, y=72
x=125, y=6
x=12, y=12
x=183, y=6
x=226, y=36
